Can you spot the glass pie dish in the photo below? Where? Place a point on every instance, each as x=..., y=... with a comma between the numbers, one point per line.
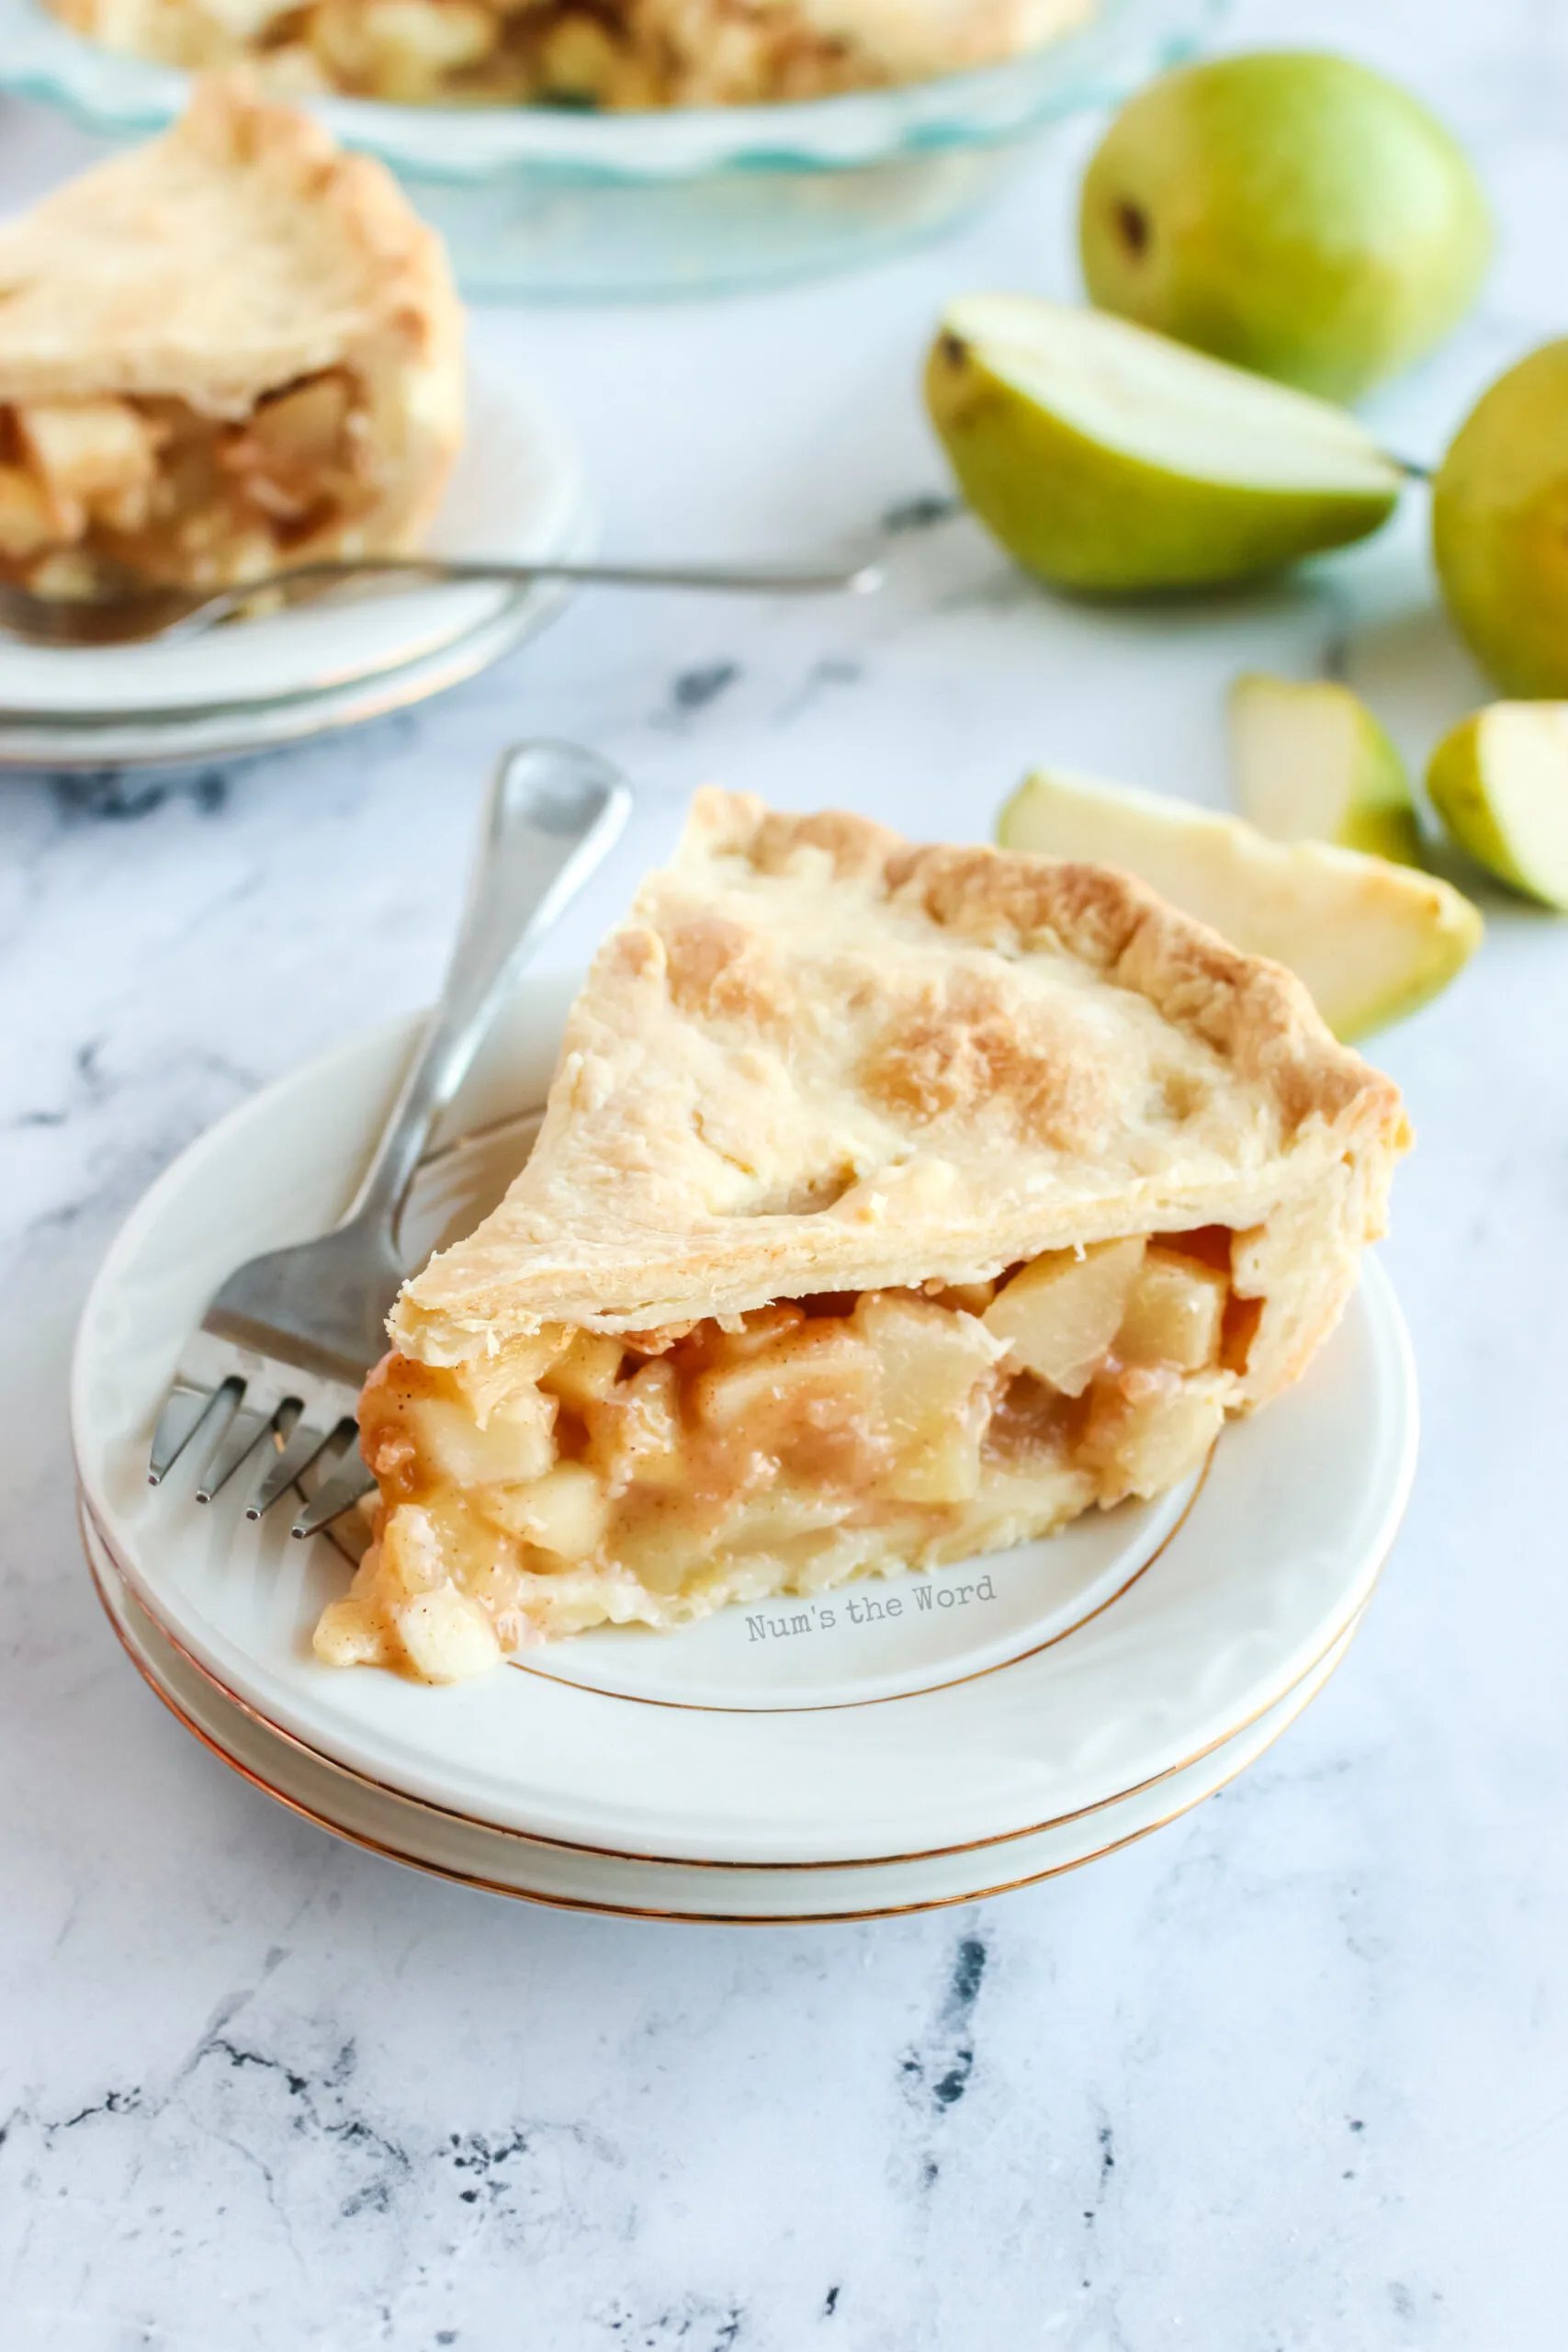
x=549, y=203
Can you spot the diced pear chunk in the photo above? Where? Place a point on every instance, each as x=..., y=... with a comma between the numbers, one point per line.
x=778, y=1513
x=1061, y=1312
x=579, y=57
x=660, y=1545
x=587, y=1371
x=349, y=1634
x=404, y=48
x=412, y=1560
x=513, y=1446
x=1174, y=1314
x=794, y=1380
x=947, y=1470
x=935, y=1369
x=301, y=428
x=446, y=1635
x=635, y=1432
x=27, y=519
x=567, y=1511
x=973, y=1298
x=749, y=1334
x=1015, y=1504
x=810, y=1401
x=493, y=1384
x=86, y=449
x=1145, y=1433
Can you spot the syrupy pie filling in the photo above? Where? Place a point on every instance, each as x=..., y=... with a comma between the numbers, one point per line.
x=576, y=1478
x=611, y=53
x=92, y=489
x=596, y=54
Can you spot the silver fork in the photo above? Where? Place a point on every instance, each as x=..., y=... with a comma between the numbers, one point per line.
x=145, y=612
x=282, y=1351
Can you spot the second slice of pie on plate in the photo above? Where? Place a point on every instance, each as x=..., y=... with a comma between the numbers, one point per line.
x=892, y=1205
x=231, y=350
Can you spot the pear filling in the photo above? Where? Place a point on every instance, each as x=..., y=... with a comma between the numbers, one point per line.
x=91, y=490
x=581, y=53
x=575, y=1478
x=422, y=52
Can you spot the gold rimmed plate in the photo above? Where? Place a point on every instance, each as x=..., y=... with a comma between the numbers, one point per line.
x=994, y=1702
x=628, y=1886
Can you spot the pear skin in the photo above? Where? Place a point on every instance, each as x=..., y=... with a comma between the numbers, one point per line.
x=1109, y=460
x=1289, y=211
x=1312, y=763
x=1500, y=526
x=1500, y=784
x=1371, y=941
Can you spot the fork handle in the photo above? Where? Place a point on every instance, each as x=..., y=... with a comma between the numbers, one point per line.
x=553, y=812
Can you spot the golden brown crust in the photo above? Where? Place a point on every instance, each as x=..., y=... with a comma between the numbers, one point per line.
x=819, y=1058
x=236, y=253
x=1254, y=1013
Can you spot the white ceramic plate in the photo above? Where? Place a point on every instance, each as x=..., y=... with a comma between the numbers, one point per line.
x=1051, y=1679
x=507, y=1863
x=517, y=492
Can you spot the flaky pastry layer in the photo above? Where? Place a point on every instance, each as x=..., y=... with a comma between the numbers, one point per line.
x=231, y=347
x=815, y=1059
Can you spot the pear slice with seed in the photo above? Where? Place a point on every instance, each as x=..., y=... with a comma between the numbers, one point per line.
x=1109, y=458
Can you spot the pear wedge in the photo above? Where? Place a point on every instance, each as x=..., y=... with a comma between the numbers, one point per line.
x=1499, y=540
x=1107, y=458
x=1500, y=785
x=1312, y=764
x=1370, y=940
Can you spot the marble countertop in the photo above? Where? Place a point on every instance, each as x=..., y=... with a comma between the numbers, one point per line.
x=1292, y=2075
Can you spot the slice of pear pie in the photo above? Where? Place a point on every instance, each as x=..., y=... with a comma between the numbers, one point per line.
x=891, y=1205
x=229, y=350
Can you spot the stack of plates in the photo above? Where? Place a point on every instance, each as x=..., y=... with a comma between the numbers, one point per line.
x=886, y=1747
x=516, y=493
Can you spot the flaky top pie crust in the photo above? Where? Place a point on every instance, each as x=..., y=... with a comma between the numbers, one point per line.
x=235, y=253
x=817, y=1058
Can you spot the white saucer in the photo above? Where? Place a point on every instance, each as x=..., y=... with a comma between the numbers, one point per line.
x=1072, y=1673
x=502, y=1862
x=516, y=492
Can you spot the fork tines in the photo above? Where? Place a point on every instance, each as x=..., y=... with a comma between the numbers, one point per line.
x=296, y=1427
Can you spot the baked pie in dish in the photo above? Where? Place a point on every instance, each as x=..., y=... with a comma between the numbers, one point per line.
x=619, y=53
x=892, y=1205
x=230, y=350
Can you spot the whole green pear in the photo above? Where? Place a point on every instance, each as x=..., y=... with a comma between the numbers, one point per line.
x=1500, y=526
x=1289, y=211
